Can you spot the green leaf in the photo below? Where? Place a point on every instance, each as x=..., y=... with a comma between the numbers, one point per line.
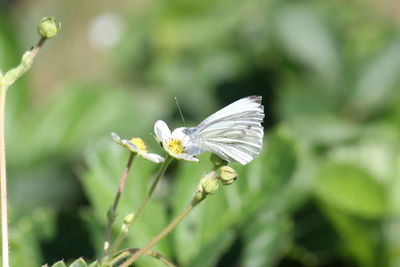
x=377, y=84
x=362, y=238
x=59, y=264
x=307, y=39
x=265, y=239
x=78, y=263
x=94, y=264
x=351, y=189
x=212, y=251
x=322, y=129
x=28, y=234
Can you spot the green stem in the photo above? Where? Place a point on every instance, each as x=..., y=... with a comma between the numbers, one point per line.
x=26, y=62
x=153, y=254
x=9, y=78
x=3, y=180
x=161, y=235
x=123, y=234
x=112, y=213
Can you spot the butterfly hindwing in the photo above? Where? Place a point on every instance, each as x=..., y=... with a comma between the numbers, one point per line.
x=235, y=132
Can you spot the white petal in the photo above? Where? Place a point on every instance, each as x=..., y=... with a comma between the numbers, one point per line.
x=179, y=134
x=162, y=131
x=192, y=149
x=132, y=147
x=185, y=157
x=153, y=157
x=116, y=138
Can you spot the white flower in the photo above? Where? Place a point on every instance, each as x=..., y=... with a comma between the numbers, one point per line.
x=177, y=143
x=138, y=146
x=233, y=133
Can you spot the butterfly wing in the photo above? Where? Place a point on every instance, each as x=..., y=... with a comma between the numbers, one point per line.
x=234, y=133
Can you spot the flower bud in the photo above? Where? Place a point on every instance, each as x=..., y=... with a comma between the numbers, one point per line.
x=209, y=183
x=217, y=161
x=127, y=222
x=227, y=175
x=49, y=27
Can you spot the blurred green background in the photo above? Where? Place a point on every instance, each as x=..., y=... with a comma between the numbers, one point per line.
x=324, y=192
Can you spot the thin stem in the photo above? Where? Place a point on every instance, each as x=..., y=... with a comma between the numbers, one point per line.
x=123, y=234
x=112, y=213
x=161, y=235
x=39, y=45
x=151, y=253
x=22, y=68
x=3, y=181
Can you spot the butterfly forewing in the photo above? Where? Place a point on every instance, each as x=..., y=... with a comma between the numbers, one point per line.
x=235, y=132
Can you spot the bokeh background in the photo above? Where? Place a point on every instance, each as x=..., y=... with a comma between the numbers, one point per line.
x=324, y=192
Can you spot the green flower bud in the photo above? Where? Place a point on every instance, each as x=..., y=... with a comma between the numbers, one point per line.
x=209, y=183
x=106, y=245
x=127, y=222
x=217, y=161
x=49, y=27
x=227, y=175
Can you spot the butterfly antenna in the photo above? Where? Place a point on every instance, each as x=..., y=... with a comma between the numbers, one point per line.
x=180, y=111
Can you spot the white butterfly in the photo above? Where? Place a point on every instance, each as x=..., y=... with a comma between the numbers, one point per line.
x=234, y=133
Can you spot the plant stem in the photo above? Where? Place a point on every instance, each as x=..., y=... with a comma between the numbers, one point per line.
x=112, y=213
x=153, y=254
x=6, y=80
x=123, y=234
x=3, y=180
x=36, y=49
x=158, y=237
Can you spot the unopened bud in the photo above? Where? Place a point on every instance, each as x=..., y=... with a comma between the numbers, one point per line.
x=106, y=246
x=49, y=27
x=217, y=161
x=209, y=183
x=128, y=219
x=227, y=175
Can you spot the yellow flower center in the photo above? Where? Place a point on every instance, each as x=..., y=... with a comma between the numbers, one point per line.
x=175, y=146
x=139, y=143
